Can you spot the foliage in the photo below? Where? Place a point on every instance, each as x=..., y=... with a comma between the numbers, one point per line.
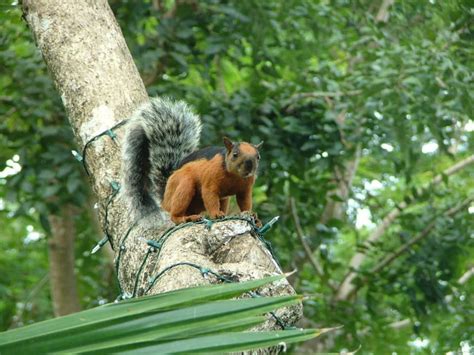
x=325, y=85
x=35, y=137
x=20, y=301
x=199, y=319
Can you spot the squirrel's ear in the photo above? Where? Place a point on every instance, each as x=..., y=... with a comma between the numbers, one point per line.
x=228, y=144
x=258, y=145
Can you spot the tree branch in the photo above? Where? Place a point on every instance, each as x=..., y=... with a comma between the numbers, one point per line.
x=405, y=247
x=299, y=231
x=466, y=276
x=18, y=319
x=397, y=325
x=346, y=287
x=317, y=94
x=343, y=179
x=424, y=233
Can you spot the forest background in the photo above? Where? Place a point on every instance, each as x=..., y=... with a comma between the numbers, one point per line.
x=365, y=108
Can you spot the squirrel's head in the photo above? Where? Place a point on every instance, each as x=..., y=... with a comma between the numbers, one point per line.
x=241, y=158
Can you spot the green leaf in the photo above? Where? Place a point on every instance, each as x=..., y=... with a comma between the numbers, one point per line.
x=44, y=222
x=50, y=190
x=172, y=322
x=232, y=12
x=228, y=342
x=129, y=309
x=179, y=58
x=336, y=198
x=162, y=325
x=181, y=48
x=172, y=325
x=445, y=178
x=73, y=183
x=46, y=175
x=64, y=170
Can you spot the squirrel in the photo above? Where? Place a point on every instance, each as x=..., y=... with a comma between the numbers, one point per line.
x=161, y=162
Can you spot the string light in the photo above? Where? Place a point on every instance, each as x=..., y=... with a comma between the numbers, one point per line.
x=155, y=246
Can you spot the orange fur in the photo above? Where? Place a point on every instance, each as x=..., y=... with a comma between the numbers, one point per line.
x=206, y=185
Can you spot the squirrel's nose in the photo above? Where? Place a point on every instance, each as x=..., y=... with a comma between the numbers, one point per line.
x=248, y=165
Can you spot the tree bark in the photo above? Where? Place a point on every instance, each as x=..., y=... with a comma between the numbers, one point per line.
x=100, y=86
x=61, y=262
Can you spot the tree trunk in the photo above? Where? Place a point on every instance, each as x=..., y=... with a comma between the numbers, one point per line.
x=100, y=86
x=61, y=262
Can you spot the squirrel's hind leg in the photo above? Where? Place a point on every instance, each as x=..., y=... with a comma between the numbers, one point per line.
x=180, y=201
x=224, y=202
x=183, y=219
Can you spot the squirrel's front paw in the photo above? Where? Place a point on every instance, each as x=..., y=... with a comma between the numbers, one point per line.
x=254, y=217
x=218, y=215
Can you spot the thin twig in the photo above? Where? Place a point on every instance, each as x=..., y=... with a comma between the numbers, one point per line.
x=326, y=95
x=397, y=325
x=323, y=94
x=31, y=295
x=405, y=247
x=400, y=324
x=299, y=231
x=390, y=258
x=466, y=276
x=346, y=287
x=35, y=290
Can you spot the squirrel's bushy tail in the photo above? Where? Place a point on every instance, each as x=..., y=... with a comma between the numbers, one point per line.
x=159, y=135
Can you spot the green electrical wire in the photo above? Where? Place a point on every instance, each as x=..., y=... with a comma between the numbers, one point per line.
x=156, y=246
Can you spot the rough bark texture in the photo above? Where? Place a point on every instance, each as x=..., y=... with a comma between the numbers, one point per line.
x=230, y=249
x=61, y=262
x=100, y=86
x=97, y=80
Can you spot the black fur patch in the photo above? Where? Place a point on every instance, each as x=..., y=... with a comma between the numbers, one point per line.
x=236, y=148
x=205, y=153
x=137, y=165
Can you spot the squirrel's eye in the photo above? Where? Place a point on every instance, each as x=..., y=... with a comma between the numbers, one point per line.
x=235, y=154
x=258, y=156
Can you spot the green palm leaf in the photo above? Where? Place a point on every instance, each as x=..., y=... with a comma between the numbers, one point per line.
x=226, y=342
x=183, y=317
